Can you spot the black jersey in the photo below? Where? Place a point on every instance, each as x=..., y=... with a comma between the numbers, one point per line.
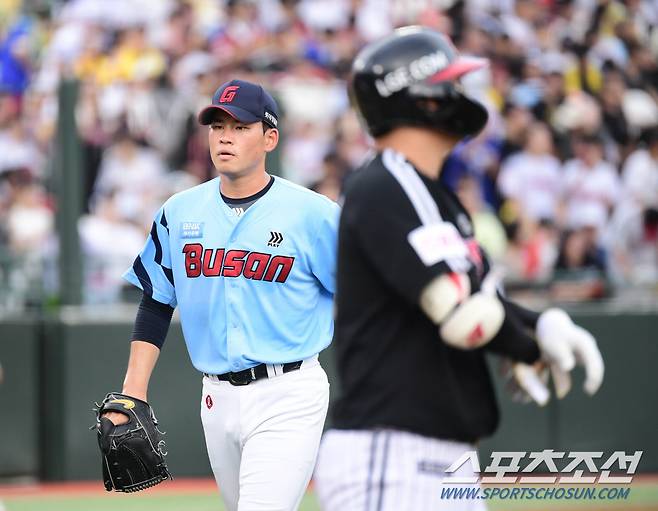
x=394, y=370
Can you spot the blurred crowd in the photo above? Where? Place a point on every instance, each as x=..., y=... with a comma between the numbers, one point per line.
x=562, y=184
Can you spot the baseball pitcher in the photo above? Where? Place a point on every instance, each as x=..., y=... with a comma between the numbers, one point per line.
x=249, y=260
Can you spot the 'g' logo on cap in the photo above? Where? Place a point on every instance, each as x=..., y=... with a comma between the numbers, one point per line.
x=228, y=94
x=246, y=102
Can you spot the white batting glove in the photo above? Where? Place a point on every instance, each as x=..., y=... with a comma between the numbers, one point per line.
x=562, y=344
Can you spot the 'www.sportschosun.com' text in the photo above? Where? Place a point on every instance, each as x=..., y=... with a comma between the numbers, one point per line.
x=540, y=493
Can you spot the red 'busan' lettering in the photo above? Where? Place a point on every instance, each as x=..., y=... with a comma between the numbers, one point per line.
x=212, y=262
x=192, y=253
x=233, y=263
x=256, y=265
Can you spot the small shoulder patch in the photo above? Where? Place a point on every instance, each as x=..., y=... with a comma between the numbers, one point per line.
x=437, y=242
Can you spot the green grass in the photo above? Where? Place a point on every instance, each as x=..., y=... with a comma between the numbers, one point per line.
x=115, y=502
x=642, y=496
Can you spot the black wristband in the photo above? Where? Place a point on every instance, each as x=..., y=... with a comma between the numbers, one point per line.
x=513, y=340
x=528, y=317
x=152, y=321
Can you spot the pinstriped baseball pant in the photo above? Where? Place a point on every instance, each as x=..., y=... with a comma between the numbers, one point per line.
x=387, y=470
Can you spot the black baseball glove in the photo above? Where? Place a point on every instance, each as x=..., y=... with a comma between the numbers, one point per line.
x=132, y=453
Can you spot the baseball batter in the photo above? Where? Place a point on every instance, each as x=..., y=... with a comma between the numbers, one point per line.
x=416, y=310
x=249, y=259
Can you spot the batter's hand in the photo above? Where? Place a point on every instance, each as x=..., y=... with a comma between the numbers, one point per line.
x=525, y=383
x=563, y=344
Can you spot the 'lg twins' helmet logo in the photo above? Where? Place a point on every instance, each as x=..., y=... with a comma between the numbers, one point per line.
x=416, y=71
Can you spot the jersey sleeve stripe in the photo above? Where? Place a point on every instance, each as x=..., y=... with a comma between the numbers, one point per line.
x=157, y=244
x=413, y=186
x=158, y=249
x=143, y=276
x=415, y=189
x=163, y=221
x=169, y=274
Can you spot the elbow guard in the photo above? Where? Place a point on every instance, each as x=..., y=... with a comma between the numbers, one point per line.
x=466, y=321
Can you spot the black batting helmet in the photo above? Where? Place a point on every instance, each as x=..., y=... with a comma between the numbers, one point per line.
x=392, y=79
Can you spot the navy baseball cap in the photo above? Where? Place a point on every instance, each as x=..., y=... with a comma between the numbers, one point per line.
x=244, y=101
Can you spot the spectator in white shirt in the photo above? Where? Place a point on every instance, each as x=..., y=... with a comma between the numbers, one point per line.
x=632, y=238
x=640, y=173
x=108, y=243
x=132, y=172
x=532, y=177
x=591, y=185
x=19, y=150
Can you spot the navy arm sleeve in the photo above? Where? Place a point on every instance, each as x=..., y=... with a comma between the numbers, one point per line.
x=152, y=321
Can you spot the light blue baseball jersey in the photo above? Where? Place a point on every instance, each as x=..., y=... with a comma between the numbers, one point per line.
x=255, y=288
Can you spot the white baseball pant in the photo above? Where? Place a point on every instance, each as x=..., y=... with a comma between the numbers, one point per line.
x=263, y=438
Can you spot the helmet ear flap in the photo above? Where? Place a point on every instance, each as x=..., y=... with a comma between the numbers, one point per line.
x=463, y=117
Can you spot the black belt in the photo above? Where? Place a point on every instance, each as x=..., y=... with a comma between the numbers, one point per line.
x=258, y=372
